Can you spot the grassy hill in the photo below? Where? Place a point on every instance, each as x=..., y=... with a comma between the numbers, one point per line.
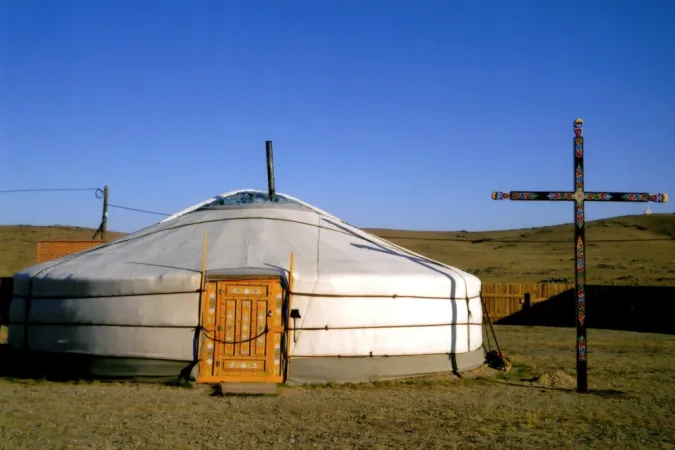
x=525, y=255
x=627, y=250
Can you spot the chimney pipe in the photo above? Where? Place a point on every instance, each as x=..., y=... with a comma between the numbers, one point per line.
x=270, y=171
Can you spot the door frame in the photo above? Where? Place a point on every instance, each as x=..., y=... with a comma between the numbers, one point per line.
x=203, y=339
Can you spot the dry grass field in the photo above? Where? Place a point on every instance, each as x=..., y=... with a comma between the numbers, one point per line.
x=538, y=255
x=534, y=406
x=631, y=375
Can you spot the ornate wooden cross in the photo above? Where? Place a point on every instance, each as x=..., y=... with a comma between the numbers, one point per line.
x=579, y=196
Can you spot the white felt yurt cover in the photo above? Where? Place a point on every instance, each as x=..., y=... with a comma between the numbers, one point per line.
x=357, y=294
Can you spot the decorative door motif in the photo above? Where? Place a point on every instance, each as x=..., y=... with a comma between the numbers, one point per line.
x=242, y=322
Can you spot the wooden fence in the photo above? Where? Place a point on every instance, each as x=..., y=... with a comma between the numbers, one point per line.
x=505, y=299
x=633, y=308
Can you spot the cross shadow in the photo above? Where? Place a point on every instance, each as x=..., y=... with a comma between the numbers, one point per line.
x=610, y=393
x=419, y=261
x=164, y=266
x=606, y=392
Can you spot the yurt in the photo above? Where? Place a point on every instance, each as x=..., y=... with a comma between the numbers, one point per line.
x=249, y=287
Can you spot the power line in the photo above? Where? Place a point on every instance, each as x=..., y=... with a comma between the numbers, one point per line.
x=521, y=241
x=137, y=210
x=98, y=191
x=99, y=194
x=12, y=191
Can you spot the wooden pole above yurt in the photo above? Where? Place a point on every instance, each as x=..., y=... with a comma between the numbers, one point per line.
x=270, y=171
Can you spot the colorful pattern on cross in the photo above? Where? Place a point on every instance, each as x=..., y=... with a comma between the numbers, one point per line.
x=579, y=196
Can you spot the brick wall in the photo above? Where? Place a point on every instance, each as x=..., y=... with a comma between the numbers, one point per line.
x=48, y=250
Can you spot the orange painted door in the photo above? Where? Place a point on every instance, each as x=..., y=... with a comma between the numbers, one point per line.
x=243, y=331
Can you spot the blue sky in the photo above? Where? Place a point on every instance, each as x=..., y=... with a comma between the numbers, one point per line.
x=397, y=114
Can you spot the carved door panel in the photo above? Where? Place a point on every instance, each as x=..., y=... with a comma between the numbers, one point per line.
x=247, y=326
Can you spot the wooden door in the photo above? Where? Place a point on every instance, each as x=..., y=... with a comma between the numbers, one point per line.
x=243, y=327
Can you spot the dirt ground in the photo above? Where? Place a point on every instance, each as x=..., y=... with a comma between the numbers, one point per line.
x=631, y=405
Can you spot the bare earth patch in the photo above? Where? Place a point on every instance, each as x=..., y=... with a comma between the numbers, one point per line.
x=631, y=405
x=557, y=379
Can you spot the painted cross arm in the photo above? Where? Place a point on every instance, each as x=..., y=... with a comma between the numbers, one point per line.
x=588, y=196
x=532, y=195
x=625, y=197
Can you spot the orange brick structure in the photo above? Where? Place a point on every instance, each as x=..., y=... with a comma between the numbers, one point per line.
x=48, y=250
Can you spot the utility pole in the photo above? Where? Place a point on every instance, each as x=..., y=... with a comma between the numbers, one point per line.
x=103, y=227
x=104, y=218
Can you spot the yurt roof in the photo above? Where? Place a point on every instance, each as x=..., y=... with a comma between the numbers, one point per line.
x=248, y=234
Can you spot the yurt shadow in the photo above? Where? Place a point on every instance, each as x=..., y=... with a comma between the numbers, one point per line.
x=60, y=367
x=15, y=364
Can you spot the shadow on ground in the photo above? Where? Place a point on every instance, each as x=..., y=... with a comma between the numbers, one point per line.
x=623, y=308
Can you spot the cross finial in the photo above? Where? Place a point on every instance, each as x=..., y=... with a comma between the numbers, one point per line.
x=578, y=126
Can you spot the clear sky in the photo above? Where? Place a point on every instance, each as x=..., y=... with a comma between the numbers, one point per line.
x=397, y=114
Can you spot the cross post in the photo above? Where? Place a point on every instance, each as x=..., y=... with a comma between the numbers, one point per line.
x=579, y=196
